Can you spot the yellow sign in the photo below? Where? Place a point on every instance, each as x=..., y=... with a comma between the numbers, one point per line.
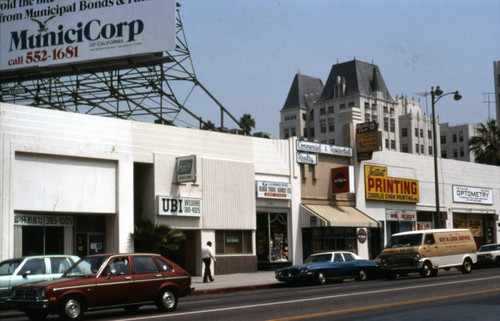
x=379, y=187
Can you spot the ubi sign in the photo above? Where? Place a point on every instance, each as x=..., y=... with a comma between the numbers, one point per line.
x=179, y=206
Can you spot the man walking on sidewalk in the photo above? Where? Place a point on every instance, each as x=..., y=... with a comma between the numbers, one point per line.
x=207, y=255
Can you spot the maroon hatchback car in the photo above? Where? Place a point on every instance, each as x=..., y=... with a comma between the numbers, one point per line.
x=105, y=281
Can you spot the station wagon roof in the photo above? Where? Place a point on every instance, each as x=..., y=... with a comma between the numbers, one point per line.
x=437, y=230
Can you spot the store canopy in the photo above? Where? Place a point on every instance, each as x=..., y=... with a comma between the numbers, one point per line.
x=329, y=215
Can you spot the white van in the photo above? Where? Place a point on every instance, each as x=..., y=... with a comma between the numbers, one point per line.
x=426, y=251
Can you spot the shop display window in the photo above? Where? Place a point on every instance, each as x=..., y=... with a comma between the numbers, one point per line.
x=233, y=242
x=272, y=237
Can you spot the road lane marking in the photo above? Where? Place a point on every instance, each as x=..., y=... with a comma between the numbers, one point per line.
x=386, y=305
x=241, y=307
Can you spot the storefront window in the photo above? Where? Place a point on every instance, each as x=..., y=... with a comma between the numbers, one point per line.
x=272, y=237
x=233, y=242
x=319, y=239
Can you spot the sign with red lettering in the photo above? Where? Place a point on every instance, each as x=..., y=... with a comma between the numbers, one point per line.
x=343, y=180
x=380, y=187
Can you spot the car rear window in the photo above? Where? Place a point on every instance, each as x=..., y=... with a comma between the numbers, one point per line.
x=163, y=265
x=144, y=264
x=59, y=264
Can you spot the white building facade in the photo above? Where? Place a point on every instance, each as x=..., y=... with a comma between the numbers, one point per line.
x=74, y=183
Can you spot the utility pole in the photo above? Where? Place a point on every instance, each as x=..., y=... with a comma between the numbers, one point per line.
x=486, y=99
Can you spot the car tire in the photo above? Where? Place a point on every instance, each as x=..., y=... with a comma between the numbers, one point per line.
x=36, y=315
x=467, y=266
x=434, y=272
x=71, y=308
x=497, y=261
x=321, y=278
x=426, y=270
x=167, y=300
x=362, y=275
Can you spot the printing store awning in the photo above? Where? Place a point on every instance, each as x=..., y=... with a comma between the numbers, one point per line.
x=341, y=216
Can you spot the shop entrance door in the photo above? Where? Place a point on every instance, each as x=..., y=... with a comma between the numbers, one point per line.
x=89, y=243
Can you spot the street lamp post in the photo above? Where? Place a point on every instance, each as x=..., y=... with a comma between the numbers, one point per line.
x=436, y=95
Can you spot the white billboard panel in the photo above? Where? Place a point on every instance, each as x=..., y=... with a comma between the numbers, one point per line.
x=60, y=32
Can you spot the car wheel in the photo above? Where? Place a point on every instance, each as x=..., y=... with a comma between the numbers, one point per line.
x=426, y=270
x=132, y=308
x=167, y=300
x=362, y=275
x=497, y=261
x=36, y=315
x=321, y=278
x=71, y=308
x=467, y=266
x=434, y=272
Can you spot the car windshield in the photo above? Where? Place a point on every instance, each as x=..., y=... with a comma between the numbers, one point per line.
x=487, y=248
x=8, y=267
x=405, y=240
x=319, y=258
x=88, y=266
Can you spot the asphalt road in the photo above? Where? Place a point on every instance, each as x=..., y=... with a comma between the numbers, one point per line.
x=449, y=296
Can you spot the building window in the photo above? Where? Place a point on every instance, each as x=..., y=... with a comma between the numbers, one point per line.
x=294, y=132
x=443, y=139
x=367, y=117
x=311, y=132
x=429, y=134
x=332, y=141
x=416, y=148
x=404, y=132
x=351, y=104
x=311, y=115
x=393, y=144
x=331, y=125
x=374, y=118
x=374, y=107
x=430, y=150
x=233, y=242
x=454, y=138
x=305, y=132
x=286, y=134
x=322, y=111
x=416, y=132
x=462, y=153
x=404, y=148
x=386, y=124
x=387, y=143
x=367, y=106
x=322, y=126
x=386, y=110
x=444, y=154
x=422, y=133
x=461, y=137
x=393, y=125
x=455, y=153
x=342, y=106
x=304, y=116
x=421, y=149
x=330, y=110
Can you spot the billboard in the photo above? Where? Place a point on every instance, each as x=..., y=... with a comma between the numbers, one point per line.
x=380, y=187
x=48, y=34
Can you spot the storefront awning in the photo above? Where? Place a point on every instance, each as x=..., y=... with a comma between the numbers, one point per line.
x=328, y=215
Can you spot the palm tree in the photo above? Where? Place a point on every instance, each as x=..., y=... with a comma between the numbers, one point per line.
x=486, y=146
x=247, y=123
x=158, y=238
x=208, y=126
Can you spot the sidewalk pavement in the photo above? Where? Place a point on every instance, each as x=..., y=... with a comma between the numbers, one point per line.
x=226, y=283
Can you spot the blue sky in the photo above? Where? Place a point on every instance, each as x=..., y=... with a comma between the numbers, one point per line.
x=247, y=52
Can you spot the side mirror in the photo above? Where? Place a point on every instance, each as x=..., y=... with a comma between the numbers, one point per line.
x=25, y=274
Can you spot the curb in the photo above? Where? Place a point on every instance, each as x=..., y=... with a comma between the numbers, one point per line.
x=233, y=289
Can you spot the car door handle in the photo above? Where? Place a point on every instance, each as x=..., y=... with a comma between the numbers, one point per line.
x=128, y=278
x=158, y=275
